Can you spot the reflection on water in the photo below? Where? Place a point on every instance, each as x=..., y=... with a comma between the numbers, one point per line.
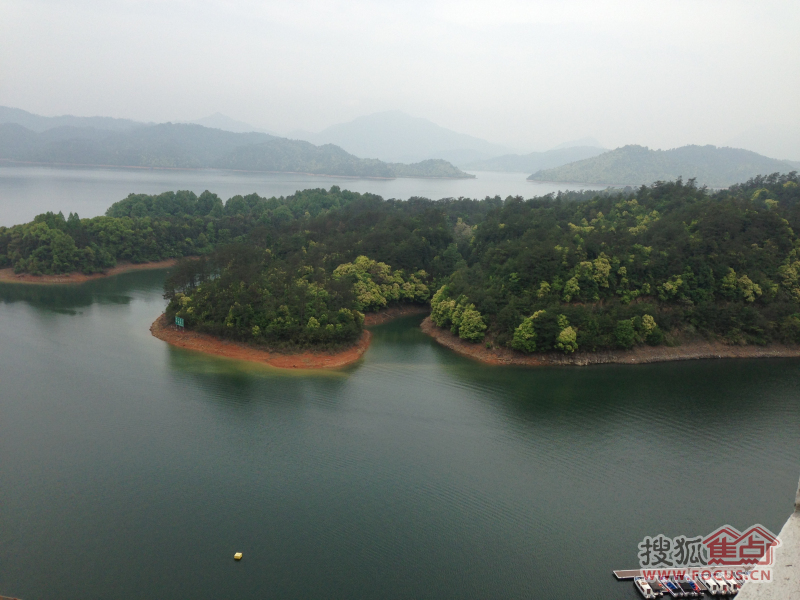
x=206, y=367
x=60, y=298
x=414, y=473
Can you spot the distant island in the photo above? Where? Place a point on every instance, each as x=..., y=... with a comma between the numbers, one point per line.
x=638, y=165
x=188, y=146
x=576, y=274
x=535, y=161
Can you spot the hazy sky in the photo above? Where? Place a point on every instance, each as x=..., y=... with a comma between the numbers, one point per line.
x=527, y=74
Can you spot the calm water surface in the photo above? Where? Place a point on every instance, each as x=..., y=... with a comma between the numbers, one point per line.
x=28, y=191
x=129, y=469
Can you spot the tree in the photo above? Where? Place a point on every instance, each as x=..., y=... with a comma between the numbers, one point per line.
x=625, y=334
x=472, y=325
x=524, y=338
x=567, y=340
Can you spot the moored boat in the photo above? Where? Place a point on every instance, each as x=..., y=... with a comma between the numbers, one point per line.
x=657, y=588
x=688, y=587
x=724, y=588
x=733, y=585
x=674, y=590
x=644, y=587
x=711, y=585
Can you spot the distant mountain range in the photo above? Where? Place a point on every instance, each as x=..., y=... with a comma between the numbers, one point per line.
x=171, y=145
x=535, y=161
x=638, y=165
x=390, y=140
x=39, y=123
x=396, y=136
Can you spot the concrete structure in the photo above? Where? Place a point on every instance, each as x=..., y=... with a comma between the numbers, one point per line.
x=786, y=573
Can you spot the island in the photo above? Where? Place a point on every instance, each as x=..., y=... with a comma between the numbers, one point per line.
x=638, y=165
x=664, y=272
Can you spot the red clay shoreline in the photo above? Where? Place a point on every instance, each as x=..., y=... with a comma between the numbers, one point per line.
x=209, y=344
x=8, y=275
x=693, y=350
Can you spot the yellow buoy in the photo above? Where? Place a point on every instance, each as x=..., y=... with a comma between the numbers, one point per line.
x=237, y=556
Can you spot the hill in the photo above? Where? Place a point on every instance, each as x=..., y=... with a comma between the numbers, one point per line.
x=396, y=136
x=172, y=145
x=39, y=123
x=535, y=161
x=638, y=165
x=577, y=271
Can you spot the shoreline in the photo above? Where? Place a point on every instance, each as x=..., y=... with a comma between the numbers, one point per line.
x=615, y=186
x=209, y=344
x=642, y=355
x=143, y=168
x=395, y=312
x=8, y=275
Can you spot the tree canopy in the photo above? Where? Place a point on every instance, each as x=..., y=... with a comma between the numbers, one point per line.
x=565, y=272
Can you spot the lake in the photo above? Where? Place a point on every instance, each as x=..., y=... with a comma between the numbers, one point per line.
x=131, y=469
x=26, y=191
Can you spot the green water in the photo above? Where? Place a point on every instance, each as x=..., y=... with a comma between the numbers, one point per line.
x=129, y=469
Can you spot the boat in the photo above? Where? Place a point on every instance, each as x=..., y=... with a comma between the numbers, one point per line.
x=733, y=585
x=657, y=588
x=698, y=591
x=644, y=587
x=674, y=590
x=711, y=585
x=724, y=588
x=237, y=556
x=688, y=587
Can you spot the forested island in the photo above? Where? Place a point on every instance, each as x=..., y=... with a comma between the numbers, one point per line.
x=534, y=161
x=638, y=165
x=577, y=271
x=185, y=146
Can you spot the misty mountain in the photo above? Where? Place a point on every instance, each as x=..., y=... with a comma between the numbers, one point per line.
x=282, y=155
x=586, y=141
x=396, y=136
x=637, y=165
x=226, y=123
x=171, y=145
x=535, y=161
x=39, y=123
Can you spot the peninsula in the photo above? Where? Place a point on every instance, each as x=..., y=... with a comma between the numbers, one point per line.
x=664, y=272
x=8, y=275
x=166, y=331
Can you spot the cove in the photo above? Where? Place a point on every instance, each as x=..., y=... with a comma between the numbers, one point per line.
x=130, y=468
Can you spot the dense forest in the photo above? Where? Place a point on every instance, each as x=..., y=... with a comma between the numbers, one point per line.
x=572, y=271
x=173, y=145
x=637, y=165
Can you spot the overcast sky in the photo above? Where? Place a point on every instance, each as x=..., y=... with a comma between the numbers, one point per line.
x=528, y=74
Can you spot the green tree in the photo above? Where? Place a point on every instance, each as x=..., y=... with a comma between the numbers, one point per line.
x=524, y=338
x=625, y=334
